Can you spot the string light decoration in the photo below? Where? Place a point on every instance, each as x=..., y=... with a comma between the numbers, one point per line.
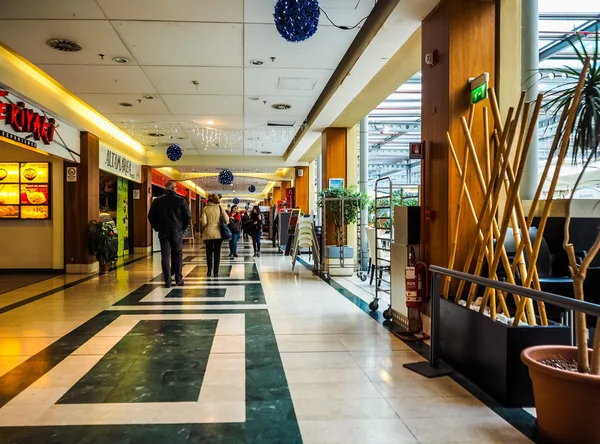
x=226, y=177
x=236, y=201
x=252, y=188
x=174, y=152
x=296, y=20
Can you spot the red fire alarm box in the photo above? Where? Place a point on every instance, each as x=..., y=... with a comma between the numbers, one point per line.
x=416, y=150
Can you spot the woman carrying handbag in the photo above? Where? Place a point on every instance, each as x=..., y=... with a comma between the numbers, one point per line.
x=214, y=221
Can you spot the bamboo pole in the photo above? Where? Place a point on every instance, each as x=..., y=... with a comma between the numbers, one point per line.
x=461, y=193
x=486, y=157
x=482, y=213
x=564, y=145
x=508, y=137
x=502, y=299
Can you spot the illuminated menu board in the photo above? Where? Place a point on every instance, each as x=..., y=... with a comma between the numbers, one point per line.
x=25, y=190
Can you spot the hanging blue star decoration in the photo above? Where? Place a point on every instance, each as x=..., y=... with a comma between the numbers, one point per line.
x=296, y=20
x=247, y=207
x=174, y=152
x=220, y=196
x=252, y=188
x=236, y=201
x=225, y=177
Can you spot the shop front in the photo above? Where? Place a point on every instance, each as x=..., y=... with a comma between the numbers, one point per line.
x=118, y=173
x=33, y=147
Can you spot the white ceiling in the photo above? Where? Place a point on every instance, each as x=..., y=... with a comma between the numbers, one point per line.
x=169, y=45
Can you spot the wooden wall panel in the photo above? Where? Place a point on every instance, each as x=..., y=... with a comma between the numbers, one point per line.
x=142, y=232
x=276, y=195
x=302, y=189
x=463, y=33
x=82, y=202
x=334, y=155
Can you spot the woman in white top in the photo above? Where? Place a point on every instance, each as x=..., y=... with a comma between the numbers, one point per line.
x=211, y=221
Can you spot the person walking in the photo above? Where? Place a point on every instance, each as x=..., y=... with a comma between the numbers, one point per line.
x=211, y=221
x=170, y=216
x=235, y=223
x=255, y=224
x=245, y=226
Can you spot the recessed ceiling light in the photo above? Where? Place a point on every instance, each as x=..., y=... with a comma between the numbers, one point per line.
x=64, y=45
x=210, y=122
x=256, y=62
x=281, y=106
x=266, y=152
x=148, y=97
x=120, y=60
x=253, y=98
x=125, y=104
x=156, y=134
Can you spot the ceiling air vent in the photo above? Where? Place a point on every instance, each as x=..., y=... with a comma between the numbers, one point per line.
x=64, y=45
x=281, y=106
x=281, y=124
x=156, y=134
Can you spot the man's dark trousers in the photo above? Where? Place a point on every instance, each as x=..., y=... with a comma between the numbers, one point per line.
x=171, y=254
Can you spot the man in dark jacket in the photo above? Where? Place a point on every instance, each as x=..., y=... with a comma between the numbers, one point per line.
x=170, y=216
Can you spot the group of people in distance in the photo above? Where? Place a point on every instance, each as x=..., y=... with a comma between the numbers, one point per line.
x=170, y=216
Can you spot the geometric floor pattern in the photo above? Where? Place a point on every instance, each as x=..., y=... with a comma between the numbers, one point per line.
x=258, y=355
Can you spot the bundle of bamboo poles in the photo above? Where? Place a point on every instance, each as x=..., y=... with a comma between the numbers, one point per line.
x=511, y=141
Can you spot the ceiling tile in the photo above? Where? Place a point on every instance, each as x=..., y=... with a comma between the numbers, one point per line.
x=165, y=10
x=220, y=121
x=87, y=79
x=341, y=12
x=299, y=106
x=260, y=82
x=56, y=9
x=324, y=50
x=29, y=37
x=208, y=105
x=109, y=104
x=211, y=80
x=140, y=118
x=183, y=44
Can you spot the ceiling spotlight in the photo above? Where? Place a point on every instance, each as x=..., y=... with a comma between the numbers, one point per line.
x=64, y=45
x=256, y=62
x=148, y=97
x=253, y=98
x=210, y=122
x=120, y=60
x=281, y=106
x=125, y=104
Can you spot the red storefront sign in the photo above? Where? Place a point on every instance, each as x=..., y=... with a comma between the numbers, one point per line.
x=160, y=180
x=25, y=120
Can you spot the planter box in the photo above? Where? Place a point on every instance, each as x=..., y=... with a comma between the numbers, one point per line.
x=488, y=352
x=333, y=262
x=334, y=252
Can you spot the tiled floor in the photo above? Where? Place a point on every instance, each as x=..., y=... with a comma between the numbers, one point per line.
x=258, y=356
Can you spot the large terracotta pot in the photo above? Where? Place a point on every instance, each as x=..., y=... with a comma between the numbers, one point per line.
x=567, y=403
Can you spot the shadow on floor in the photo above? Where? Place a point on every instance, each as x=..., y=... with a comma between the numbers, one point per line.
x=12, y=281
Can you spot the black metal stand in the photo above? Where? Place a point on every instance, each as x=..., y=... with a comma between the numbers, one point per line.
x=433, y=368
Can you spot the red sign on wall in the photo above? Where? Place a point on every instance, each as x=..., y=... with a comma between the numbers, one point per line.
x=25, y=120
x=160, y=180
x=416, y=150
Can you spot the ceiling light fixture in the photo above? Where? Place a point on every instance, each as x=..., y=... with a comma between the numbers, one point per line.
x=256, y=62
x=156, y=134
x=125, y=104
x=64, y=45
x=281, y=106
x=148, y=97
x=210, y=122
x=120, y=60
x=253, y=98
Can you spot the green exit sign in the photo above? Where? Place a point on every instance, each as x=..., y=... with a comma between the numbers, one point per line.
x=479, y=93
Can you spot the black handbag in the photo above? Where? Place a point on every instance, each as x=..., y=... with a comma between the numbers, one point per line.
x=225, y=231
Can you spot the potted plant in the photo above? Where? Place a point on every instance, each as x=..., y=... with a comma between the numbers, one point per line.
x=101, y=243
x=344, y=209
x=566, y=380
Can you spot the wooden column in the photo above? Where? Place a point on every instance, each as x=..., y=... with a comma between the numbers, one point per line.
x=334, y=155
x=142, y=231
x=302, y=187
x=461, y=33
x=276, y=195
x=82, y=205
x=284, y=188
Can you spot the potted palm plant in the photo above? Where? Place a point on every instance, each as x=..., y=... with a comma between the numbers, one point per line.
x=566, y=380
x=343, y=205
x=101, y=243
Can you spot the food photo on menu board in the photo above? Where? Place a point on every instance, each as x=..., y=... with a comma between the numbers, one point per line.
x=34, y=172
x=34, y=194
x=35, y=212
x=9, y=211
x=9, y=172
x=9, y=194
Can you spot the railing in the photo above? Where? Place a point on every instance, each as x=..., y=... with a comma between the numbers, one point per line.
x=433, y=368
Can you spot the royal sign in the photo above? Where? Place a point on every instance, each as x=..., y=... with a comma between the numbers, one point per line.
x=26, y=120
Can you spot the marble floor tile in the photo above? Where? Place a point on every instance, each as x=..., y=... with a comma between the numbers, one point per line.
x=333, y=390
x=309, y=343
x=317, y=360
x=425, y=388
x=440, y=407
x=334, y=409
x=356, y=431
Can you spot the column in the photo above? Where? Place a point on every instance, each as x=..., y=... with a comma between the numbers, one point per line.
x=284, y=187
x=364, y=188
x=530, y=60
x=352, y=178
x=334, y=166
x=311, y=188
x=142, y=231
x=319, y=183
x=276, y=195
x=82, y=205
x=462, y=35
x=302, y=187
